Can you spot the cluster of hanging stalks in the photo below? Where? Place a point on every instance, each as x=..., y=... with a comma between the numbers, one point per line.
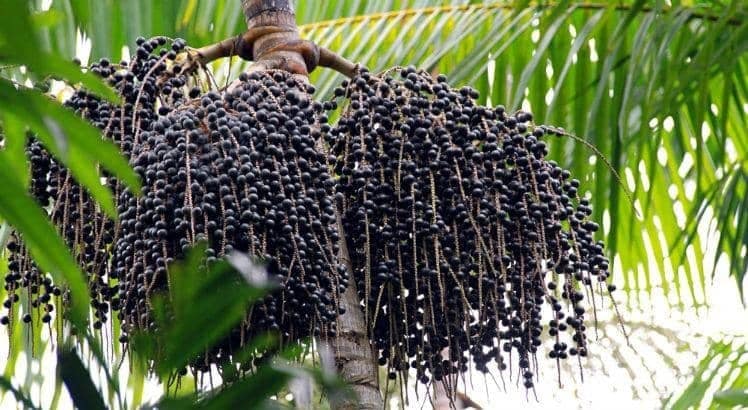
x=442, y=216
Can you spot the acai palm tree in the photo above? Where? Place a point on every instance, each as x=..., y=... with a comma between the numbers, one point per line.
x=646, y=105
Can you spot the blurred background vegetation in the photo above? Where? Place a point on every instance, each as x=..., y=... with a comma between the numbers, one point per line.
x=659, y=87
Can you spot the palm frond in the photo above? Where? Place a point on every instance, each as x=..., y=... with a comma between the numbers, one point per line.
x=719, y=379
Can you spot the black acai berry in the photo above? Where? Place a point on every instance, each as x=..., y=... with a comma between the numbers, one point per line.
x=460, y=229
x=238, y=169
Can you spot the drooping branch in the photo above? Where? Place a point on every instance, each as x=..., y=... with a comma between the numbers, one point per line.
x=272, y=41
x=336, y=62
x=225, y=48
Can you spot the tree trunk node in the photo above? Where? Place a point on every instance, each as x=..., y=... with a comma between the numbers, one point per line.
x=274, y=37
x=272, y=41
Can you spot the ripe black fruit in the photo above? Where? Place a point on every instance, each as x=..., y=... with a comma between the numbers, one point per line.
x=237, y=169
x=453, y=217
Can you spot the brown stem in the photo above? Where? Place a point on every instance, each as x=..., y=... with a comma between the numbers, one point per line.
x=334, y=61
x=272, y=40
x=226, y=48
x=243, y=46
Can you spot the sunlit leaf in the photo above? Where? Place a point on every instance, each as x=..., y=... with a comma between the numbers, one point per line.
x=731, y=398
x=724, y=372
x=203, y=304
x=21, y=397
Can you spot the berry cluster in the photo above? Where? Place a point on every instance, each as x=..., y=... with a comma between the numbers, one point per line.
x=459, y=228
x=149, y=81
x=237, y=169
x=240, y=171
x=460, y=231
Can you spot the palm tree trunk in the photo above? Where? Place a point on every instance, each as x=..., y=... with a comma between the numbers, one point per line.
x=275, y=44
x=272, y=25
x=354, y=354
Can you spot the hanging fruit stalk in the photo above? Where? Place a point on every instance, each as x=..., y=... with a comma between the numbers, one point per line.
x=423, y=232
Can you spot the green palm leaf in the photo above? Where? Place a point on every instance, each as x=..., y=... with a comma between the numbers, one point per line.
x=721, y=379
